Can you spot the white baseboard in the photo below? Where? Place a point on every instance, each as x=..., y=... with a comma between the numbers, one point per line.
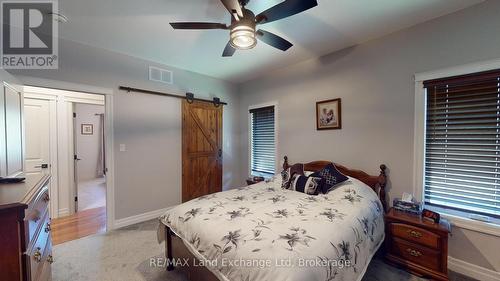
x=63, y=212
x=472, y=270
x=138, y=218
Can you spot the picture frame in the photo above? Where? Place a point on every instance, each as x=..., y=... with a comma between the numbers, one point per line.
x=329, y=114
x=87, y=129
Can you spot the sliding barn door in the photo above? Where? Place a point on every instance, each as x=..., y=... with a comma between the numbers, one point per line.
x=201, y=149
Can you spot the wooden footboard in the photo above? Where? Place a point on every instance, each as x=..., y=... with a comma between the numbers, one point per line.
x=177, y=253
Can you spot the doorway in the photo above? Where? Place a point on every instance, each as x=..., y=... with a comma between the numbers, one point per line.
x=89, y=156
x=65, y=136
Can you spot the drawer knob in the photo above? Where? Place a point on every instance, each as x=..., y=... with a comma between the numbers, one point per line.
x=50, y=258
x=37, y=255
x=414, y=233
x=414, y=253
x=47, y=228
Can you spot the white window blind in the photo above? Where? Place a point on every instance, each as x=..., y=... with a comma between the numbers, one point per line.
x=462, y=161
x=263, y=143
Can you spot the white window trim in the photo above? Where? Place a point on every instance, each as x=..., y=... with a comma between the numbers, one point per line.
x=276, y=154
x=419, y=138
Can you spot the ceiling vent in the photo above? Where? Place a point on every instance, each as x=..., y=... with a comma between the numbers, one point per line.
x=161, y=75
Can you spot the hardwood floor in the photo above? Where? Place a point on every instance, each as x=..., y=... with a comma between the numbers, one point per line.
x=79, y=225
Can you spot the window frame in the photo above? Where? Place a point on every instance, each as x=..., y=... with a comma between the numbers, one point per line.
x=460, y=220
x=276, y=139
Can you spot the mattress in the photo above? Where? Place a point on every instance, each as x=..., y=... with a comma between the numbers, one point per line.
x=262, y=232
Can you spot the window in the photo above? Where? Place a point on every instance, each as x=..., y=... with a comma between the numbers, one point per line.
x=462, y=151
x=262, y=141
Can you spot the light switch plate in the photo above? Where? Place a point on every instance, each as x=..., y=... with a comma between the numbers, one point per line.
x=123, y=147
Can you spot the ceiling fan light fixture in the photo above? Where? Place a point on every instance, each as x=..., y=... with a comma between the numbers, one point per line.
x=243, y=37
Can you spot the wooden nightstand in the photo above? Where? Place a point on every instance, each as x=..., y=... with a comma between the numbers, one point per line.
x=419, y=246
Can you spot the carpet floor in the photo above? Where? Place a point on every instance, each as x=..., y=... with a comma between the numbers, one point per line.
x=124, y=255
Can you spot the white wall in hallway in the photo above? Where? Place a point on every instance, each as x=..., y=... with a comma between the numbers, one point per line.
x=88, y=146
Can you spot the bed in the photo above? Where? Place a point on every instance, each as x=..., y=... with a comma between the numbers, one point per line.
x=263, y=232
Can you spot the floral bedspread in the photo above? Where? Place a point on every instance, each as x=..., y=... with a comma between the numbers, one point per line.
x=262, y=232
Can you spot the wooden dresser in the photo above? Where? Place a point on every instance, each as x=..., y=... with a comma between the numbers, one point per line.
x=417, y=245
x=26, y=247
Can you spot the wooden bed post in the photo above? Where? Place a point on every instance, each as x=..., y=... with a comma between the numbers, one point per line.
x=382, y=181
x=285, y=163
x=168, y=248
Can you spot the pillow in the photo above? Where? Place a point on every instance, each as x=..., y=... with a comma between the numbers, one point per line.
x=286, y=175
x=307, y=185
x=308, y=173
x=331, y=176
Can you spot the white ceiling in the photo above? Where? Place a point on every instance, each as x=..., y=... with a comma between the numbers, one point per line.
x=141, y=29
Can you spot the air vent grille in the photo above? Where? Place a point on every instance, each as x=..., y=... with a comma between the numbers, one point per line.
x=161, y=75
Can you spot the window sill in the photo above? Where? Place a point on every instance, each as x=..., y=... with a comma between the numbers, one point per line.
x=469, y=224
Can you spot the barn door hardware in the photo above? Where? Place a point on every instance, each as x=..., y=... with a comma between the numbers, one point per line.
x=190, y=99
x=216, y=102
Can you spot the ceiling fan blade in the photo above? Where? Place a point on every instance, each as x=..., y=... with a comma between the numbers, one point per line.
x=273, y=40
x=198, y=25
x=229, y=50
x=234, y=7
x=285, y=9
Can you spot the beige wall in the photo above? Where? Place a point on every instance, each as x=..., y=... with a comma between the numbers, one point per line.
x=375, y=82
x=148, y=174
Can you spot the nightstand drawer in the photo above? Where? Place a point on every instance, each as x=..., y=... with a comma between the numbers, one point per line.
x=417, y=254
x=415, y=234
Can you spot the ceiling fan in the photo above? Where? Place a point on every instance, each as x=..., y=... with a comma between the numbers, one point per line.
x=243, y=32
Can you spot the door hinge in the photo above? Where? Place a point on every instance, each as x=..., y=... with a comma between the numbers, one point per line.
x=76, y=198
x=74, y=114
x=75, y=157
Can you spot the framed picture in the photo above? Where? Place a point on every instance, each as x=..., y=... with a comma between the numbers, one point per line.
x=87, y=129
x=328, y=115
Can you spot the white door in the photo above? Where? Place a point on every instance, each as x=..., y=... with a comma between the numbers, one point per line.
x=37, y=130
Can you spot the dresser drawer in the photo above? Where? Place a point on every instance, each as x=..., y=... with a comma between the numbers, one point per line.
x=415, y=234
x=36, y=210
x=46, y=273
x=39, y=251
x=417, y=254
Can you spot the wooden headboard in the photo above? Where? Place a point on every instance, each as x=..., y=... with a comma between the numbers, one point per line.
x=377, y=183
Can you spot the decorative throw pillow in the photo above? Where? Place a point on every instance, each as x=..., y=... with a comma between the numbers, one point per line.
x=331, y=176
x=287, y=174
x=307, y=185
